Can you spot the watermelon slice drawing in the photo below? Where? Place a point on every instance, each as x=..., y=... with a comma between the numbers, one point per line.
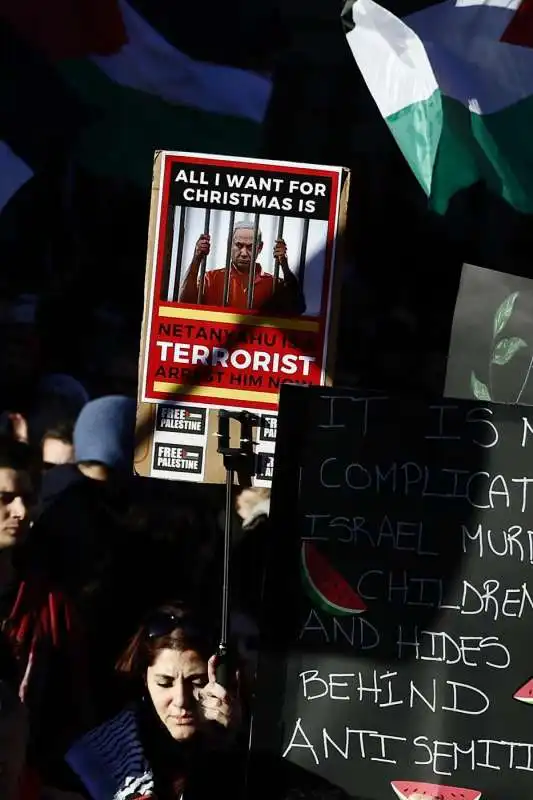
x=405, y=790
x=325, y=586
x=525, y=693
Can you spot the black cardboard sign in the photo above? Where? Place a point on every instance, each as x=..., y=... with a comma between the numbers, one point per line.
x=420, y=513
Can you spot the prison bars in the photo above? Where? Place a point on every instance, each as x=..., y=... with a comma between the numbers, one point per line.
x=178, y=246
x=251, y=274
x=281, y=222
x=207, y=224
x=176, y=255
x=227, y=268
x=303, y=253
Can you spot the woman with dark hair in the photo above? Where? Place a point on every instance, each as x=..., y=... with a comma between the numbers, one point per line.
x=179, y=739
x=180, y=725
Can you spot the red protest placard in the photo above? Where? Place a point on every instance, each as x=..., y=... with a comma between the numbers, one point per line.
x=240, y=283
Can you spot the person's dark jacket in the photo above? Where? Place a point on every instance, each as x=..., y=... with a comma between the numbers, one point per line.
x=45, y=637
x=132, y=757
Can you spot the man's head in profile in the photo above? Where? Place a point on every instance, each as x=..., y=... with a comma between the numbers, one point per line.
x=242, y=245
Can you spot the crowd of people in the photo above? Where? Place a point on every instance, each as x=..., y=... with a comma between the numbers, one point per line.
x=110, y=607
x=110, y=604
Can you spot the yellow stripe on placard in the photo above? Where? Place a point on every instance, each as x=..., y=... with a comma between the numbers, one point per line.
x=202, y=315
x=215, y=391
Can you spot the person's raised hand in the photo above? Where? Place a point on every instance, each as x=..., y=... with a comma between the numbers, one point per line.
x=217, y=702
x=253, y=506
x=280, y=250
x=19, y=425
x=203, y=246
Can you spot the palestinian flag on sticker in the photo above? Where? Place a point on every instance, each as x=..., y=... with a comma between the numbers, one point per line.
x=192, y=414
x=111, y=81
x=454, y=82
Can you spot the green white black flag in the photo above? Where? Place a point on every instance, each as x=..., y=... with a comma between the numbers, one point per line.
x=454, y=82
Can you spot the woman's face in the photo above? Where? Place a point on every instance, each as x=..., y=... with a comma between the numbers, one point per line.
x=174, y=682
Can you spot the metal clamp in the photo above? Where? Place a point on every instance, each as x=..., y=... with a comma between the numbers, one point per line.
x=236, y=458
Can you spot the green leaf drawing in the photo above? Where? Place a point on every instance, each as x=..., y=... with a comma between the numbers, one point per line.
x=506, y=348
x=479, y=389
x=502, y=315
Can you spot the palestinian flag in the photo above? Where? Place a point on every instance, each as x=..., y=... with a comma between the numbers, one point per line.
x=107, y=82
x=454, y=82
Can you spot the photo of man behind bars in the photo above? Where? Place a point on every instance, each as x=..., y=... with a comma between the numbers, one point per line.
x=270, y=265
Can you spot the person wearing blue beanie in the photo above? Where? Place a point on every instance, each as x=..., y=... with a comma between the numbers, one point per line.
x=104, y=443
x=104, y=436
x=80, y=533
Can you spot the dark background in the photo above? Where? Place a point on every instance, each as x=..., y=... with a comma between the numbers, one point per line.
x=81, y=241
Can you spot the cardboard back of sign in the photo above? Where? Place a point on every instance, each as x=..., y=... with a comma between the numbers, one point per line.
x=397, y=596
x=201, y=351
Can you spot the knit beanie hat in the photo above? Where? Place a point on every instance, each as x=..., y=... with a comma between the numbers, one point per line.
x=105, y=432
x=64, y=386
